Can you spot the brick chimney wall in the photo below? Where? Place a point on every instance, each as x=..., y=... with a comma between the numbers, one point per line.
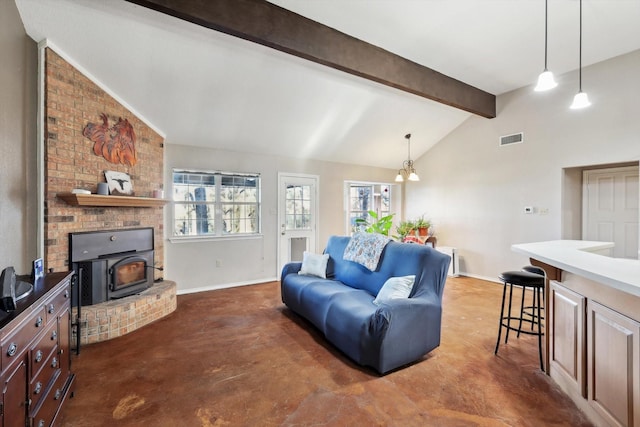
x=72, y=101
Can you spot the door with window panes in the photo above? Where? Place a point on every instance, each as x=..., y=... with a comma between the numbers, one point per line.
x=297, y=208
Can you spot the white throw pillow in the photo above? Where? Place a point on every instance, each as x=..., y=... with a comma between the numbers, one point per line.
x=314, y=264
x=395, y=287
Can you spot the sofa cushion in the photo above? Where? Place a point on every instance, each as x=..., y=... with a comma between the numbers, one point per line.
x=395, y=287
x=316, y=299
x=314, y=264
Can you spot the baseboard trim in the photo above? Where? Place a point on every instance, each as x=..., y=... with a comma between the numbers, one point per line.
x=485, y=278
x=224, y=286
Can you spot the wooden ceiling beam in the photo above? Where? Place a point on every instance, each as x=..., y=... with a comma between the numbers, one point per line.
x=267, y=24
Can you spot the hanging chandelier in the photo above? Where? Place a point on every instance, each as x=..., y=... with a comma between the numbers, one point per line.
x=407, y=171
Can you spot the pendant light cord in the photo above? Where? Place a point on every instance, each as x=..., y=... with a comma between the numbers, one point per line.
x=580, y=53
x=545, y=34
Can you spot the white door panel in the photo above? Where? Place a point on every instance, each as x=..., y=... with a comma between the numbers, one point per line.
x=297, y=217
x=610, y=208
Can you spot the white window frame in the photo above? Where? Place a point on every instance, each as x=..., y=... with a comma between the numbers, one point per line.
x=216, y=205
x=347, y=200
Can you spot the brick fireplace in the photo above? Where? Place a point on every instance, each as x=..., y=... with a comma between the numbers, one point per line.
x=72, y=101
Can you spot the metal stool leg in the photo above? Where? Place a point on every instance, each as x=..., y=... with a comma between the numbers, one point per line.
x=534, y=305
x=537, y=292
x=506, y=336
x=522, y=312
x=504, y=293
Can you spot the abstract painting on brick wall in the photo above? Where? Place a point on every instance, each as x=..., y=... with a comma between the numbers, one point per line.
x=116, y=143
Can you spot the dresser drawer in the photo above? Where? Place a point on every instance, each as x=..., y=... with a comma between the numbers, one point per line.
x=49, y=403
x=39, y=385
x=15, y=344
x=43, y=348
x=58, y=302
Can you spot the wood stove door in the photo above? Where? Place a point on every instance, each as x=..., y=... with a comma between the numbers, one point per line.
x=127, y=272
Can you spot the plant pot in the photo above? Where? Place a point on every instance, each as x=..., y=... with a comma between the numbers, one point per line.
x=423, y=231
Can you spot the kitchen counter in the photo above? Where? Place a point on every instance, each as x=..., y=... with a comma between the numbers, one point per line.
x=592, y=327
x=585, y=258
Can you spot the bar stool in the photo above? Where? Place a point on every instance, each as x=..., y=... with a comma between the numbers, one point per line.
x=530, y=314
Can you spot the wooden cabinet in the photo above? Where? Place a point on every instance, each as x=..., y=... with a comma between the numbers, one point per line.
x=14, y=403
x=594, y=350
x=567, y=359
x=35, y=365
x=613, y=361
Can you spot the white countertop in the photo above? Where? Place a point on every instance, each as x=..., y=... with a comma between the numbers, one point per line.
x=578, y=257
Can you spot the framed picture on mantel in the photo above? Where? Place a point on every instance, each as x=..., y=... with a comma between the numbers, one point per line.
x=119, y=183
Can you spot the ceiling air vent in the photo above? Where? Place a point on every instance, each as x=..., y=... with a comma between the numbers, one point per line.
x=515, y=138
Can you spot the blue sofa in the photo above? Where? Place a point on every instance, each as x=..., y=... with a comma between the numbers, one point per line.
x=385, y=336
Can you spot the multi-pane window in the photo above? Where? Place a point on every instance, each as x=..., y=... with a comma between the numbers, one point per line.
x=367, y=197
x=298, y=205
x=215, y=203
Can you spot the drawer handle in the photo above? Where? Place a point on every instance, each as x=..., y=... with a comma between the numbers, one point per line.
x=54, y=363
x=12, y=350
x=38, y=356
x=41, y=423
x=38, y=388
x=54, y=336
x=58, y=394
x=66, y=293
x=39, y=322
x=51, y=308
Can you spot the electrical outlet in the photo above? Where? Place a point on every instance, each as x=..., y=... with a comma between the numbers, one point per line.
x=544, y=211
x=528, y=209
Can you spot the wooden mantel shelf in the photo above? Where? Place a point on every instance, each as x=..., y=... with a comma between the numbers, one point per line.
x=112, y=201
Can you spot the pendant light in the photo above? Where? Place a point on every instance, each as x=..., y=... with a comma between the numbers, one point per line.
x=407, y=171
x=581, y=100
x=545, y=79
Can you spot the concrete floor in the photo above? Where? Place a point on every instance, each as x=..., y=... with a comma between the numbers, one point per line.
x=238, y=357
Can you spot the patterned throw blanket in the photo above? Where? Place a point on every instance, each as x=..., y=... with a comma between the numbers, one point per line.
x=365, y=249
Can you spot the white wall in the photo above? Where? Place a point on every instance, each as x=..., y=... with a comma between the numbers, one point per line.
x=192, y=264
x=475, y=191
x=18, y=77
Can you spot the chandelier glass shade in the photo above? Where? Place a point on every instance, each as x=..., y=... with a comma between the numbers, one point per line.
x=407, y=171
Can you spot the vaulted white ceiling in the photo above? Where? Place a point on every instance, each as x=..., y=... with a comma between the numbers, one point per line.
x=204, y=88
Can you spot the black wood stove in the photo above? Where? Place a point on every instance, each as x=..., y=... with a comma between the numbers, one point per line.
x=111, y=264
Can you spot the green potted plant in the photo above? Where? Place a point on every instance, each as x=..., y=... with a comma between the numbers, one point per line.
x=376, y=225
x=404, y=229
x=422, y=225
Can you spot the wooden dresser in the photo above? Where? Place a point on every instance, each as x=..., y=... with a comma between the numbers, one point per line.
x=35, y=361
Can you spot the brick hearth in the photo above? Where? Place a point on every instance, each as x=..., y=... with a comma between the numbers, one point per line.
x=111, y=319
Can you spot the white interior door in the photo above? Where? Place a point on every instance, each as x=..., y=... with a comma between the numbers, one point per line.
x=610, y=208
x=297, y=216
